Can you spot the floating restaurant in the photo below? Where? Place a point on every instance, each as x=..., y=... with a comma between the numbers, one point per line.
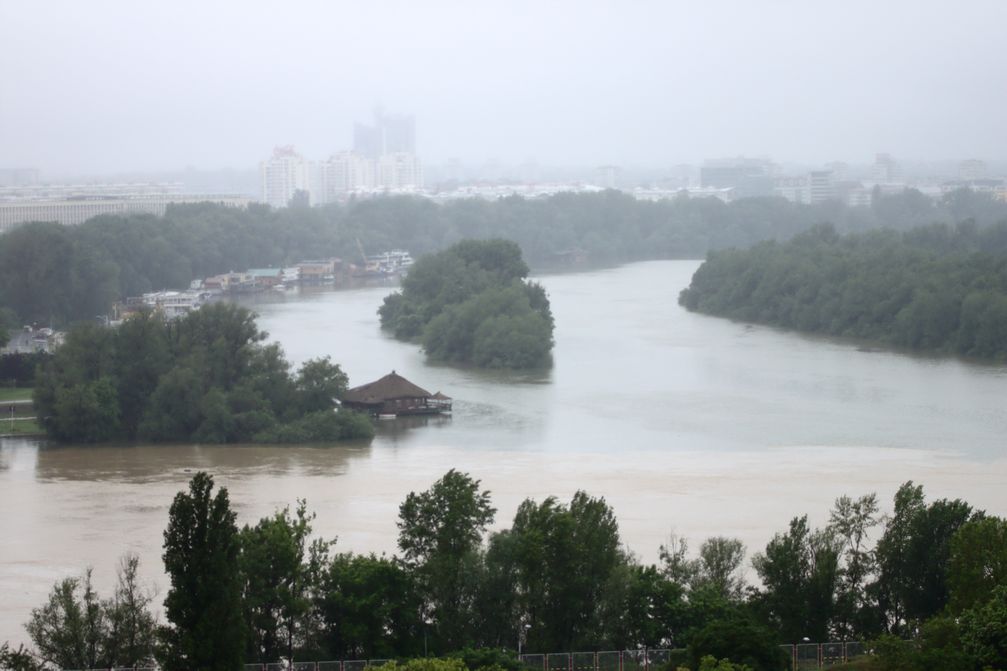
x=395, y=395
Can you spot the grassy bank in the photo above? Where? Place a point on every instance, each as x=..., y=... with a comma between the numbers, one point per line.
x=21, y=427
x=15, y=393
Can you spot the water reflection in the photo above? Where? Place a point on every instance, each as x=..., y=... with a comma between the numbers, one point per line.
x=392, y=430
x=146, y=464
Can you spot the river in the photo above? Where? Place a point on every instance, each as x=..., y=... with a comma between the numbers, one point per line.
x=683, y=422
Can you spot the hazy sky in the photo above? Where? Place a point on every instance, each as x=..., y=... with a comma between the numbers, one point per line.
x=92, y=86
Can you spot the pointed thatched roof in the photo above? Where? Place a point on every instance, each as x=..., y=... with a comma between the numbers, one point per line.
x=391, y=386
x=440, y=397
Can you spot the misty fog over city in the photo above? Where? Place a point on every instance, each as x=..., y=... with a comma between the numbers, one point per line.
x=526, y=336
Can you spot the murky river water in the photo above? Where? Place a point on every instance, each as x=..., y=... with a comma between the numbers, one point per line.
x=683, y=422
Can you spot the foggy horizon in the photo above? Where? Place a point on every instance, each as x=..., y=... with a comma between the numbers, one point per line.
x=99, y=88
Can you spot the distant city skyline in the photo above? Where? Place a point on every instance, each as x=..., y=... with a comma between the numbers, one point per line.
x=104, y=87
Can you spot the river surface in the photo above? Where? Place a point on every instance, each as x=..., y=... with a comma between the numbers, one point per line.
x=683, y=422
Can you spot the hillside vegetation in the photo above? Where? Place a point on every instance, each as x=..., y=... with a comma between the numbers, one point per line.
x=938, y=288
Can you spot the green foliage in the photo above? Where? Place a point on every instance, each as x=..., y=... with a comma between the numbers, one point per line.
x=978, y=562
x=77, y=629
x=430, y=664
x=20, y=659
x=564, y=558
x=440, y=531
x=275, y=573
x=939, y=288
x=710, y=663
x=319, y=383
x=558, y=579
x=63, y=274
x=719, y=567
x=913, y=557
x=369, y=608
x=800, y=574
x=984, y=631
x=487, y=658
x=18, y=370
x=206, y=377
x=641, y=608
x=740, y=639
x=324, y=426
x=470, y=304
x=8, y=322
x=851, y=521
x=203, y=604
x=938, y=646
x=69, y=631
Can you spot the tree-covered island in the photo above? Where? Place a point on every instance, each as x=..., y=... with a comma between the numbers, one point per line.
x=207, y=377
x=471, y=304
x=938, y=289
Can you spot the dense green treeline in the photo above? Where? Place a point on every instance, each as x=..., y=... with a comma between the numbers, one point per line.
x=472, y=304
x=938, y=288
x=206, y=378
x=55, y=274
x=927, y=583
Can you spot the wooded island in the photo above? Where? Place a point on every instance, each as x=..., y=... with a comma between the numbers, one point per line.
x=936, y=289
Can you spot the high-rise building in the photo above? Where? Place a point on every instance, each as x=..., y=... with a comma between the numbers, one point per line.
x=342, y=173
x=400, y=170
x=886, y=169
x=367, y=141
x=283, y=175
x=388, y=135
x=821, y=186
x=608, y=176
x=971, y=170
x=747, y=176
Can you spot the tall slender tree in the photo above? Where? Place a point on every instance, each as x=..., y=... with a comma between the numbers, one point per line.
x=203, y=605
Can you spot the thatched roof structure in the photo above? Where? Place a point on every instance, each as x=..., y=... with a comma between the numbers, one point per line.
x=391, y=386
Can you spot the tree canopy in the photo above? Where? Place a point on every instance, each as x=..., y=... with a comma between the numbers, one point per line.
x=56, y=275
x=937, y=288
x=206, y=377
x=558, y=579
x=471, y=304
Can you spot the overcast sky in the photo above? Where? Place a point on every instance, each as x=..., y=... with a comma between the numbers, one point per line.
x=91, y=86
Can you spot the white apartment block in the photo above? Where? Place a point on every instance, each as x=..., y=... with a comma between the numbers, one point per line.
x=74, y=211
x=400, y=171
x=344, y=172
x=283, y=175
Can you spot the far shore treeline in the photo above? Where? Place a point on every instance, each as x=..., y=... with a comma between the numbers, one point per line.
x=207, y=377
x=471, y=304
x=54, y=275
x=937, y=289
x=924, y=587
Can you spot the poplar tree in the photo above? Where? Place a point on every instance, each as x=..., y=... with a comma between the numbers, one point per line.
x=203, y=605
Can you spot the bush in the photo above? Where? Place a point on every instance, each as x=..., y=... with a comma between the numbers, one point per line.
x=739, y=638
x=320, y=427
x=487, y=658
